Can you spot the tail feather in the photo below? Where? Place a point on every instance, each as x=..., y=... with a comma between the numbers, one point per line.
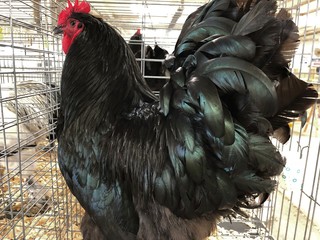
x=293, y=85
x=264, y=158
x=214, y=8
x=249, y=182
x=188, y=24
x=204, y=92
x=294, y=98
x=201, y=31
x=256, y=18
x=230, y=82
x=235, y=10
x=196, y=17
x=203, y=23
x=289, y=39
x=246, y=112
x=276, y=43
x=235, y=156
x=235, y=46
x=256, y=82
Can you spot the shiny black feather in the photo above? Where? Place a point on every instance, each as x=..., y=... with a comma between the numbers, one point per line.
x=169, y=168
x=256, y=18
x=252, y=79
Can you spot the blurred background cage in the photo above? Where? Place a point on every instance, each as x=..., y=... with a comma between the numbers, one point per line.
x=34, y=200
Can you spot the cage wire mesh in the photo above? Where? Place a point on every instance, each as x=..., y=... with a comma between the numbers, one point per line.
x=34, y=200
x=293, y=211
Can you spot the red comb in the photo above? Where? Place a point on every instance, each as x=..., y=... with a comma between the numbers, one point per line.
x=83, y=7
x=138, y=32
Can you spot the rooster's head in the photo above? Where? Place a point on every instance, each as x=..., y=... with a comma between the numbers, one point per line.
x=69, y=26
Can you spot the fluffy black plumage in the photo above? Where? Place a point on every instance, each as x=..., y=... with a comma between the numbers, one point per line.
x=168, y=168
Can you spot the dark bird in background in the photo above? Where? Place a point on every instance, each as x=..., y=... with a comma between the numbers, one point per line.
x=155, y=68
x=135, y=43
x=152, y=68
x=169, y=168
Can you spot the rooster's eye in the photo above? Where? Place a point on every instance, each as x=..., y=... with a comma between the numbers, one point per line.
x=73, y=23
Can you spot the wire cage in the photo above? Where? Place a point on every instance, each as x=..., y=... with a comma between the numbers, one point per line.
x=292, y=212
x=34, y=200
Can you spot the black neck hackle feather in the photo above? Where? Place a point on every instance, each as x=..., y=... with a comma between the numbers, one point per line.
x=93, y=87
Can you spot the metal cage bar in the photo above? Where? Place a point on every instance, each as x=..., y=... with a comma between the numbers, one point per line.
x=34, y=201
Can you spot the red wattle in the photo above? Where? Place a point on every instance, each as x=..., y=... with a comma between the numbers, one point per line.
x=66, y=42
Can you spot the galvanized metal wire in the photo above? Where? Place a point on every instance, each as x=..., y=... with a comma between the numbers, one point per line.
x=34, y=200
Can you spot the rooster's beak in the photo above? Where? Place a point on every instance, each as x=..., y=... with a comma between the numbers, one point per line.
x=58, y=30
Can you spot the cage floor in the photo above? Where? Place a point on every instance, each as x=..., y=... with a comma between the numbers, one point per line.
x=38, y=206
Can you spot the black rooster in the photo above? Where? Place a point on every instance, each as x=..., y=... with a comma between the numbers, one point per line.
x=169, y=168
x=135, y=43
